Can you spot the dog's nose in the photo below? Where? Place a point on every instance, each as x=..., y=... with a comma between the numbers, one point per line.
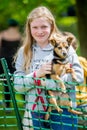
x=64, y=54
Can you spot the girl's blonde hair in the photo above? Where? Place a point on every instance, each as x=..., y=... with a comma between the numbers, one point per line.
x=28, y=41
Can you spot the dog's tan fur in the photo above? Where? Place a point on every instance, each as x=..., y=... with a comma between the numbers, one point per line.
x=61, y=47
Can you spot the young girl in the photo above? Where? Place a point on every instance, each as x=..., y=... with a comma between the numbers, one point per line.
x=34, y=61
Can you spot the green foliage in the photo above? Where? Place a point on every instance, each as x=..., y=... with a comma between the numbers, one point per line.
x=67, y=21
x=68, y=24
x=19, y=9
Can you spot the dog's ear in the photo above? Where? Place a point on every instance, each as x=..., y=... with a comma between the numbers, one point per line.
x=69, y=40
x=53, y=42
x=53, y=39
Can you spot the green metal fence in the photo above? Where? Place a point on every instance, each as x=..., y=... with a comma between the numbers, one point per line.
x=11, y=118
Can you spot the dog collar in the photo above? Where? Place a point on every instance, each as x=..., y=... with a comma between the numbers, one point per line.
x=59, y=60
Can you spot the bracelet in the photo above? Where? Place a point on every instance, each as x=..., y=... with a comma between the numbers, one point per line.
x=70, y=65
x=34, y=75
x=38, y=81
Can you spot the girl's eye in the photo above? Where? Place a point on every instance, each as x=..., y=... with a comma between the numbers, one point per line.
x=43, y=27
x=34, y=27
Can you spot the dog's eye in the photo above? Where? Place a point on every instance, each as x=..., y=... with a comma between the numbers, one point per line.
x=59, y=48
x=56, y=45
x=66, y=47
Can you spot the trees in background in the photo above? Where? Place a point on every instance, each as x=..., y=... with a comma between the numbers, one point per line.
x=81, y=7
x=62, y=9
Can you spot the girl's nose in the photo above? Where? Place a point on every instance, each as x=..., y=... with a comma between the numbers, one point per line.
x=40, y=31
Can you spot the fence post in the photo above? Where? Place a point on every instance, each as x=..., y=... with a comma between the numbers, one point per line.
x=8, y=78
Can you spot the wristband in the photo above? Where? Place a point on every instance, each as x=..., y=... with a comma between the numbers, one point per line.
x=34, y=75
x=70, y=65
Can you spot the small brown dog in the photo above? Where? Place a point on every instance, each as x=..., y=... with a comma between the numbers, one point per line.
x=60, y=66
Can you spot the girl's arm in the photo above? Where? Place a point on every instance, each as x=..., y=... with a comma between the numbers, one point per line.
x=22, y=81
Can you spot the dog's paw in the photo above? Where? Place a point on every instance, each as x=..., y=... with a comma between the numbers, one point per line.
x=63, y=90
x=74, y=78
x=60, y=110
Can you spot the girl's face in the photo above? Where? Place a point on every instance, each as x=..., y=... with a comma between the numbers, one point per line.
x=40, y=30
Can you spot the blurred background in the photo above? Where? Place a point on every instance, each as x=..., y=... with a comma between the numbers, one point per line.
x=71, y=15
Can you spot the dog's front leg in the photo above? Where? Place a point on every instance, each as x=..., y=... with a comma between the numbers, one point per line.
x=72, y=71
x=69, y=69
x=73, y=74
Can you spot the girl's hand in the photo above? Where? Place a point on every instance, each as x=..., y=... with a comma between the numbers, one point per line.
x=45, y=69
x=43, y=83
